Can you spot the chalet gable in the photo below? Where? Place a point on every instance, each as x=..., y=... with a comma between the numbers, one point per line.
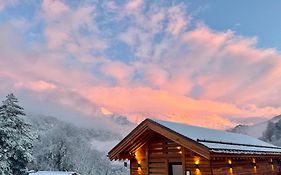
x=147, y=129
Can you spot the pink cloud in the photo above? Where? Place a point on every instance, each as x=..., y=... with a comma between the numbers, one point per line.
x=200, y=76
x=63, y=30
x=234, y=64
x=177, y=20
x=54, y=8
x=161, y=104
x=55, y=37
x=118, y=70
x=159, y=78
x=133, y=5
x=42, y=86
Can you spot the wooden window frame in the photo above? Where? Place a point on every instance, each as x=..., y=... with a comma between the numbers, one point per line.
x=170, y=165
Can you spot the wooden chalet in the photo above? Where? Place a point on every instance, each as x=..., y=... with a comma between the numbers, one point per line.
x=157, y=147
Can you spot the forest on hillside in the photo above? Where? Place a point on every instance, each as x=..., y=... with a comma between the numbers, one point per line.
x=47, y=143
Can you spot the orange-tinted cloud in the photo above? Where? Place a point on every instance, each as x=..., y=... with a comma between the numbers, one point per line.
x=141, y=102
x=118, y=70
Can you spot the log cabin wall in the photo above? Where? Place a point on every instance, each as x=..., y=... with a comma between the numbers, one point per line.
x=161, y=152
x=154, y=158
x=191, y=159
x=140, y=159
x=243, y=167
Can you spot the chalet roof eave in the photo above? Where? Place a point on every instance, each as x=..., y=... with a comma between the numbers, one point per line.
x=242, y=155
x=243, y=152
x=112, y=154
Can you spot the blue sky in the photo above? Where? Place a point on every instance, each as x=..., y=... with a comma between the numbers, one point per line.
x=248, y=18
x=187, y=61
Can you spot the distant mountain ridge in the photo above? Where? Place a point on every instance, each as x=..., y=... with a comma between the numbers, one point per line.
x=255, y=130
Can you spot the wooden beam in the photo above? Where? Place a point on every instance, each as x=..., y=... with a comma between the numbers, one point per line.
x=183, y=160
x=147, y=157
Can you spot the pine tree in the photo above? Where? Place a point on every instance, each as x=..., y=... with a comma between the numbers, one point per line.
x=15, y=138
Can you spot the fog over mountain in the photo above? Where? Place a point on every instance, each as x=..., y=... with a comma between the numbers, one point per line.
x=265, y=130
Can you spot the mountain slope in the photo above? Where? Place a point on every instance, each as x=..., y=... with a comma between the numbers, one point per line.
x=255, y=130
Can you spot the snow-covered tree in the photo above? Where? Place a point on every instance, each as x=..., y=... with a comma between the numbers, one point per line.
x=52, y=148
x=15, y=138
x=62, y=146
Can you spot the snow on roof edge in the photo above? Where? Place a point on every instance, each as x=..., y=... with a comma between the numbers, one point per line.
x=229, y=139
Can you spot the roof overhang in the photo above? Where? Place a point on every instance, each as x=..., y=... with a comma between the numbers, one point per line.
x=144, y=131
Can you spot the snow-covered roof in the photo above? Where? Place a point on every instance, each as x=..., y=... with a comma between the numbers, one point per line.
x=53, y=173
x=222, y=141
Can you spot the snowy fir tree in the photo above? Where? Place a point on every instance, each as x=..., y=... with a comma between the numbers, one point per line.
x=15, y=138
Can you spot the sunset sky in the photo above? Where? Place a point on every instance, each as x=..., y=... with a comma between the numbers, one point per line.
x=209, y=63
